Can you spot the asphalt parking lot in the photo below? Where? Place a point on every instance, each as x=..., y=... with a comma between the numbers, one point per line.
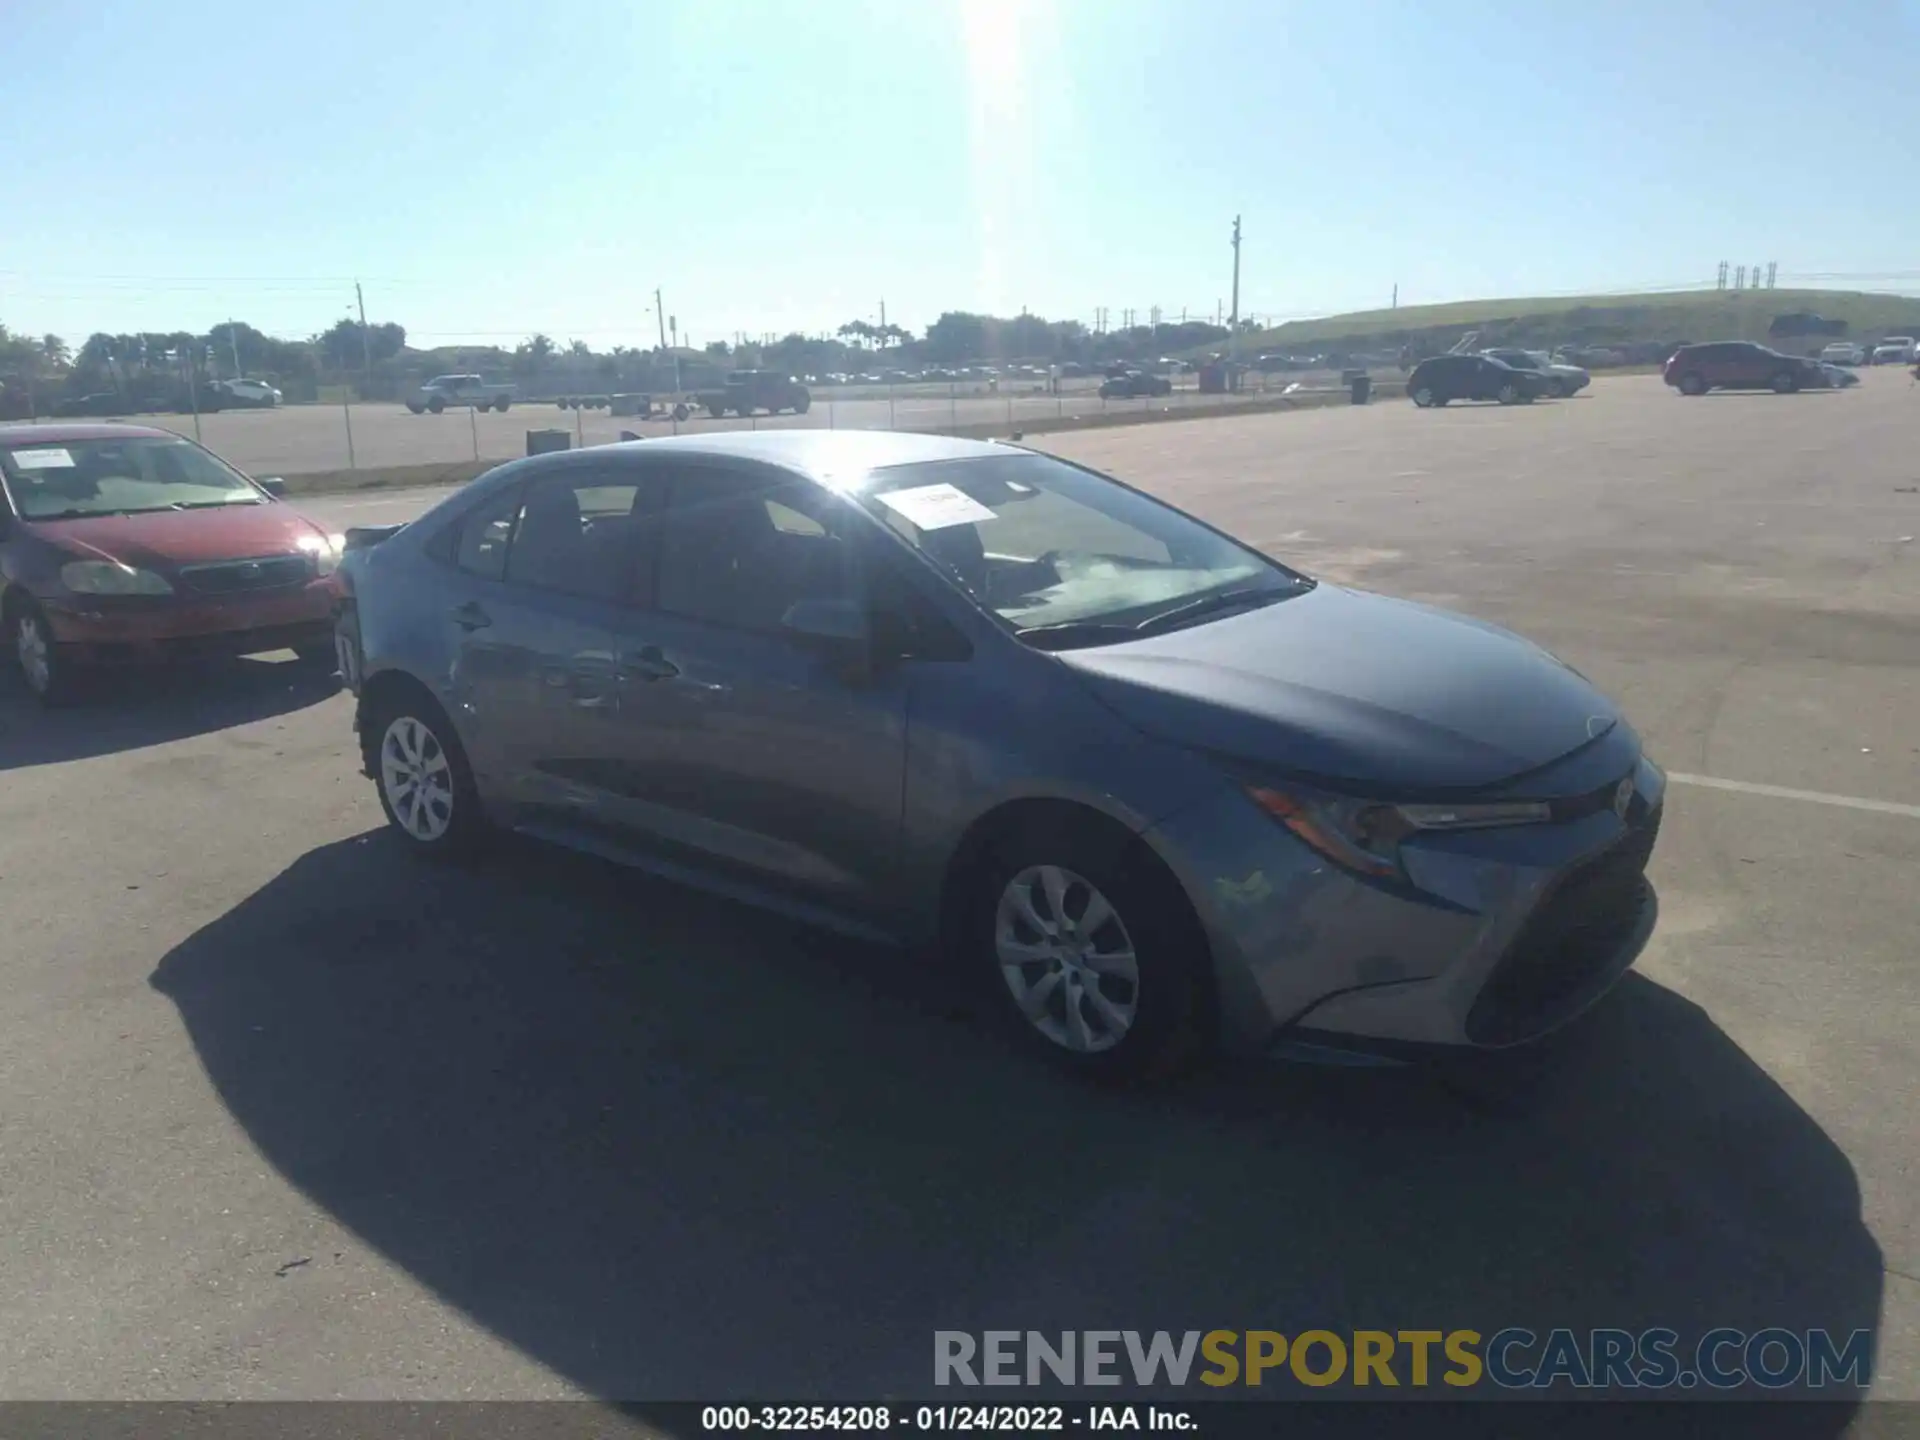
x=285, y=1115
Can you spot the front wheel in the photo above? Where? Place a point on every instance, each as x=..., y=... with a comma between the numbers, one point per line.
x=436, y=405
x=716, y=410
x=1692, y=385
x=1094, y=954
x=421, y=772
x=803, y=404
x=44, y=664
x=501, y=404
x=1424, y=397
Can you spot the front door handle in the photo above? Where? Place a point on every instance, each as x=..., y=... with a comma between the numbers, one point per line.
x=649, y=663
x=471, y=617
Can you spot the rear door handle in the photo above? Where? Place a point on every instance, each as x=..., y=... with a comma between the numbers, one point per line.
x=649, y=664
x=471, y=617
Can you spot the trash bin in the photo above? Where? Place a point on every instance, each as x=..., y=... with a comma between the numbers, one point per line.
x=1362, y=388
x=545, y=442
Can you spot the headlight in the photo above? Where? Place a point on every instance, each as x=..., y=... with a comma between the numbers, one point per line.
x=110, y=577
x=326, y=552
x=1365, y=835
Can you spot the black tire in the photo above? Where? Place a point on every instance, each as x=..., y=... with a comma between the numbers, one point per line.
x=802, y=404
x=715, y=409
x=51, y=675
x=1692, y=385
x=501, y=404
x=465, y=829
x=680, y=412
x=1509, y=394
x=436, y=405
x=416, y=407
x=1425, y=397
x=1563, y=389
x=559, y=404
x=1171, y=1029
x=1785, y=383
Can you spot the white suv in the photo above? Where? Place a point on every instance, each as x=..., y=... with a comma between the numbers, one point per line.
x=249, y=392
x=1894, y=350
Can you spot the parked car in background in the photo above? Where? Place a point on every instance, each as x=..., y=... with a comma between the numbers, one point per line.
x=1844, y=352
x=1895, y=350
x=244, y=394
x=468, y=390
x=1011, y=713
x=120, y=542
x=1739, y=365
x=1131, y=384
x=1446, y=378
x=1562, y=380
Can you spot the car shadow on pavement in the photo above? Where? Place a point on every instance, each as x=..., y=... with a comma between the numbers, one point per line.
x=673, y=1149
x=133, y=708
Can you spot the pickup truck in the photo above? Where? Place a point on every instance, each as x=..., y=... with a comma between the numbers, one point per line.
x=444, y=390
x=749, y=390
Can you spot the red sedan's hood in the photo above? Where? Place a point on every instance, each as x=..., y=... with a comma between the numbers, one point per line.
x=163, y=539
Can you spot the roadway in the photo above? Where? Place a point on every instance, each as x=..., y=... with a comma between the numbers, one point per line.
x=284, y=1115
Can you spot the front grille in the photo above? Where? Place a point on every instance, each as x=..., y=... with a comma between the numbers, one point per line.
x=240, y=577
x=1575, y=933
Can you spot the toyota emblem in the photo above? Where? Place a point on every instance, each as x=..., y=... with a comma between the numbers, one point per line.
x=1623, y=797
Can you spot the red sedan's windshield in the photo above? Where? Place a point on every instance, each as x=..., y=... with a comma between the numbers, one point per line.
x=118, y=476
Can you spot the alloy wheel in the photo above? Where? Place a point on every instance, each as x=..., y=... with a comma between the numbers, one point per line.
x=35, y=653
x=1067, y=959
x=417, y=779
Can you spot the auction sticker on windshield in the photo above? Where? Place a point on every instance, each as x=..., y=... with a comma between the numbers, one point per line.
x=42, y=459
x=935, y=507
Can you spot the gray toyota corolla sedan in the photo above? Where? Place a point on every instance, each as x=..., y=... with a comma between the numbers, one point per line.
x=1156, y=791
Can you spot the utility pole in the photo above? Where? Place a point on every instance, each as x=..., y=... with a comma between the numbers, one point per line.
x=233, y=339
x=1772, y=267
x=366, y=340
x=1233, y=320
x=1396, y=296
x=660, y=315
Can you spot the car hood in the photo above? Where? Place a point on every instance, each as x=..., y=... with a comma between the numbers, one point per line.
x=1377, y=694
x=164, y=539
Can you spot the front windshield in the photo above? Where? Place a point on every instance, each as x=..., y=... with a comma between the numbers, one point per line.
x=1039, y=543
x=117, y=476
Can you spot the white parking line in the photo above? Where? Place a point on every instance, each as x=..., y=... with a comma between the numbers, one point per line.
x=1781, y=792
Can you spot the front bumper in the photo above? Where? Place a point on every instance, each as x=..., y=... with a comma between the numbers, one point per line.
x=1514, y=933
x=106, y=629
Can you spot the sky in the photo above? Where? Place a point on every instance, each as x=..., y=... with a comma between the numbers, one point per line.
x=490, y=170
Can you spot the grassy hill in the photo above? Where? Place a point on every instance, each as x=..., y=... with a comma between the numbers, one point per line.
x=1594, y=320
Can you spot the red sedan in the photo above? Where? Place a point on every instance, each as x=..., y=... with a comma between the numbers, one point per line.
x=120, y=542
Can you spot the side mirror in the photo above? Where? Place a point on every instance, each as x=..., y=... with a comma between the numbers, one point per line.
x=836, y=628
x=274, y=486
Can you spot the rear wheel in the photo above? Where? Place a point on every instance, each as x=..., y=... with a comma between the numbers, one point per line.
x=421, y=772
x=416, y=407
x=1508, y=394
x=803, y=404
x=1785, y=383
x=1092, y=951
x=501, y=404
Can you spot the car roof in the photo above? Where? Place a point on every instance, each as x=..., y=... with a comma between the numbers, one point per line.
x=56, y=432
x=819, y=454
